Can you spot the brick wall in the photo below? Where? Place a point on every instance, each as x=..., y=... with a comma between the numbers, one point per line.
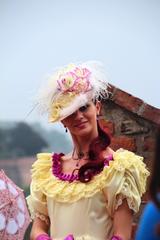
x=129, y=131
x=132, y=125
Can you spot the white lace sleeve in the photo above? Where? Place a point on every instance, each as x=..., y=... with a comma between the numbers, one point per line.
x=42, y=217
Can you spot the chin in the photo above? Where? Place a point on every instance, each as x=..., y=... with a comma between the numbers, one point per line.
x=84, y=132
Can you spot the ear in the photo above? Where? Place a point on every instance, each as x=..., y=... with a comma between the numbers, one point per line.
x=98, y=107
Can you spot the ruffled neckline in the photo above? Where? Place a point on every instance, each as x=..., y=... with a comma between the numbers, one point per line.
x=57, y=168
x=62, y=191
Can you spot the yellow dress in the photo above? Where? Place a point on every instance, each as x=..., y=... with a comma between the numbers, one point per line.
x=86, y=209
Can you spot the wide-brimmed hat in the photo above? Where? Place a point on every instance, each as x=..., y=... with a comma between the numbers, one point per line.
x=71, y=87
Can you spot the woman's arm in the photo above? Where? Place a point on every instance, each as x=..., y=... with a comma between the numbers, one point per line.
x=122, y=222
x=38, y=227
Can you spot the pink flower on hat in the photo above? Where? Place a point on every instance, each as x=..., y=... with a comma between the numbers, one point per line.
x=76, y=81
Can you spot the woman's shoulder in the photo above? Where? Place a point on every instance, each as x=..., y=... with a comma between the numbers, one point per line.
x=126, y=156
x=125, y=160
x=42, y=164
x=44, y=156
x=42, y=159
x=123, y=157
x=109, y=151
x=123, y=150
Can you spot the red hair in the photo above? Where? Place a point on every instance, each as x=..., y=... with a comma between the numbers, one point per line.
x=95, y=164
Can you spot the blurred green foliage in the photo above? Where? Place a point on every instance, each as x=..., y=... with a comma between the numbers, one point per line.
x=20, y=140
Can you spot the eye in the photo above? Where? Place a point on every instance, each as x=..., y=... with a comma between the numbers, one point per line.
x=84, y=108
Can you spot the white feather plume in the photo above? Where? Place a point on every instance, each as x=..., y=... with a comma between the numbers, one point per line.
x=99, y=79
x=49, y=92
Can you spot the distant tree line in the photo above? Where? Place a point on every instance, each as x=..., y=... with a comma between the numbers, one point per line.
x=20, y=140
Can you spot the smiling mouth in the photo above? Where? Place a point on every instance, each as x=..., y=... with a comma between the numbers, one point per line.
x=80, y=124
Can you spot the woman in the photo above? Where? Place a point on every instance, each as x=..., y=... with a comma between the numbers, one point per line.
x=149, y=227
x=92, y=192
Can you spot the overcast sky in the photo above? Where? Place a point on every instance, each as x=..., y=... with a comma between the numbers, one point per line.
x=37, y=36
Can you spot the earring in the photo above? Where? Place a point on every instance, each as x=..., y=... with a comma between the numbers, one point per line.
x=66, y=129
x=97, y=117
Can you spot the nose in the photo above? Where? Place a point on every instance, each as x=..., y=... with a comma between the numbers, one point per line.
x=78, y=114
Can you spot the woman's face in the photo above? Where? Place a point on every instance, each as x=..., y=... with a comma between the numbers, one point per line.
x=84, y=120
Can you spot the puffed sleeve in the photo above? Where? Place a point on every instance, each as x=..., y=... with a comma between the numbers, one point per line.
x=37, y=200
x=127, y=176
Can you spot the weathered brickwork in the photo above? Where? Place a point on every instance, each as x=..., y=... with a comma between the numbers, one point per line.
x=132, y=125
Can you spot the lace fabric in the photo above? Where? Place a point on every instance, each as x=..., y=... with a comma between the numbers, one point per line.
x=42, y=217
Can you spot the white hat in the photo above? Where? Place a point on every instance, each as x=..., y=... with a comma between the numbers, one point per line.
x=70, y=88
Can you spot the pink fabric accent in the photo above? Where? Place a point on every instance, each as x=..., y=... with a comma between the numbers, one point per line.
x=69, y=237
x=107, y=160
x=43, y=237
x=57, y=171
x=80, y=81
x=116, y=238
